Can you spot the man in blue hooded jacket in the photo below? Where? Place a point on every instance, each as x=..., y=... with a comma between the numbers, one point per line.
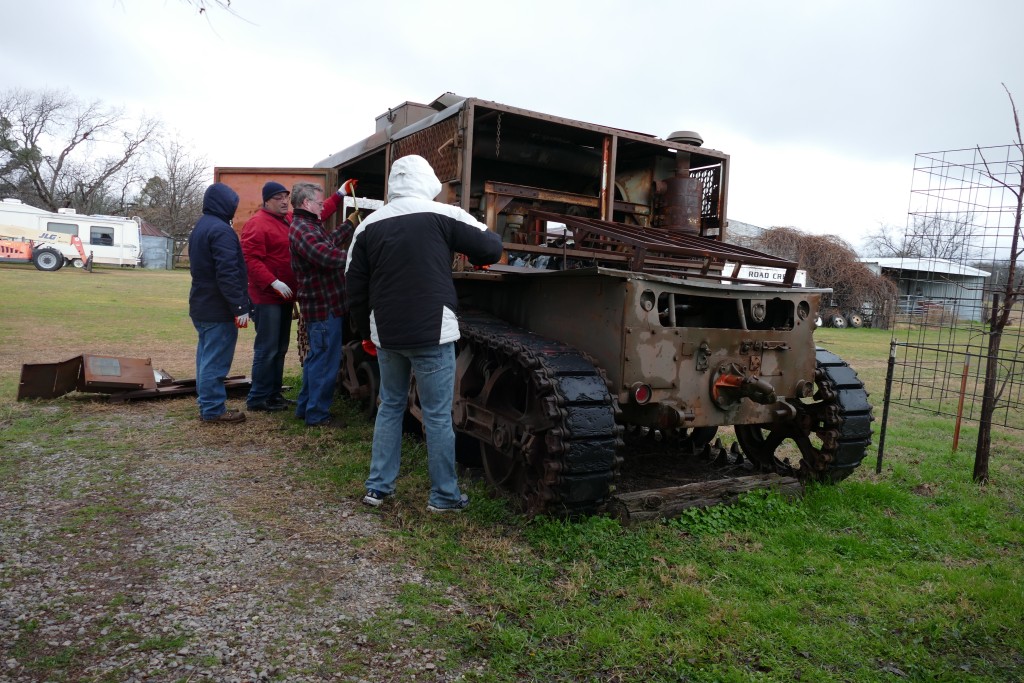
x=218, y=302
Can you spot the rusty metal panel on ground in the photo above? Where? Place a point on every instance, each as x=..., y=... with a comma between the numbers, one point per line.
x=236, y=385
x=49, y=380
x=100, y=373
x=123, y=379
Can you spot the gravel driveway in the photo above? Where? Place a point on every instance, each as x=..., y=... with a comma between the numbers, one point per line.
x=157, y=562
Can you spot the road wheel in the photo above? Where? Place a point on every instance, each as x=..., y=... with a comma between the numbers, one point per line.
x=855, y=319
x=77, y=263
x=837, y=320
x=368, y=374
x=48, y=259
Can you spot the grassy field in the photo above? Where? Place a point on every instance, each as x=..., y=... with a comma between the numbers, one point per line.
x=913, y=574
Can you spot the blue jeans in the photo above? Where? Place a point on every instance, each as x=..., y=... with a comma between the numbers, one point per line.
x=434, y=367
x=214, y=353
x=273, y=332
x=320, y=370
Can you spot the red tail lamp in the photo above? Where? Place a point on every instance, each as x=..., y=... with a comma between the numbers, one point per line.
x=642, y=393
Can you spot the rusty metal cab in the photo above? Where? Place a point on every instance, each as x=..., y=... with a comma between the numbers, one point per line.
x=617, y=305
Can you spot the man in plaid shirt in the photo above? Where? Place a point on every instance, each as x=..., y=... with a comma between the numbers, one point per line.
x=318, y=259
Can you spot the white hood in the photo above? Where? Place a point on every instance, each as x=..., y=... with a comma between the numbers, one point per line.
x=412, y=176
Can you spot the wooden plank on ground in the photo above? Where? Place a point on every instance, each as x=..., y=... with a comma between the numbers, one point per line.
x=652, y=504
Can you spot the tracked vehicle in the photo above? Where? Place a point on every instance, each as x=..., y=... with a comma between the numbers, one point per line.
x=618, y=306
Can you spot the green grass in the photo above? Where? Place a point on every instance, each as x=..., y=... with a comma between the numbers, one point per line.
x=164, y=643
x=914, y=574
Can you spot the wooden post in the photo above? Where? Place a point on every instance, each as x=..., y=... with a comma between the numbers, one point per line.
x=960, y=404
x=885, y=403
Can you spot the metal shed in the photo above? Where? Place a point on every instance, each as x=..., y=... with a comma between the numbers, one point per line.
x=157, y=247
x=934, y=282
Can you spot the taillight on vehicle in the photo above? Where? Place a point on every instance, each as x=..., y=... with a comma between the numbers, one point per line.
x=642, y=393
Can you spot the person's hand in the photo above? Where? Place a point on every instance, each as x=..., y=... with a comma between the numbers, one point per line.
x=369, y=348
x=281, y=288
x=242, y=320
x=354, y=218
x=348, y=188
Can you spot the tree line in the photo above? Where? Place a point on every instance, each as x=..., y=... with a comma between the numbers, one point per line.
x=60, y=151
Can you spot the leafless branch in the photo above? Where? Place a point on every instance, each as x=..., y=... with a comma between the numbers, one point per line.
x=830, y=262
x=65, y=152
x=172, y=197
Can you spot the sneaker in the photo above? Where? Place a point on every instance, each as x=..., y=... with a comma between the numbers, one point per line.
x=458, y=507
x=227, y=417
x=375, y=498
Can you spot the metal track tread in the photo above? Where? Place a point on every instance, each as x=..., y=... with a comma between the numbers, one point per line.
x=850, y=420
x=567, y=443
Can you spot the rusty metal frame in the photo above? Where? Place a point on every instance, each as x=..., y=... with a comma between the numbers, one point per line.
x=650, y=250
x=500, y=195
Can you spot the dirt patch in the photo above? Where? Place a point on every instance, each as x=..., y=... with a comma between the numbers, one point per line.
x=925, y=490
x=210, y=561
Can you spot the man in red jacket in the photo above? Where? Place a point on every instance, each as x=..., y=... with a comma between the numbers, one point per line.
x=272, y=292
x=272, y=286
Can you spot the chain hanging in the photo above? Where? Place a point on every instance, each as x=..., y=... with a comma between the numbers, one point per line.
x=497, y=138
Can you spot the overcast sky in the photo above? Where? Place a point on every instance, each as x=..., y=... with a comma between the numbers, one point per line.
x=821, y=104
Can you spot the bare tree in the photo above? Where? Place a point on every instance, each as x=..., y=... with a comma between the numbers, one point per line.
x=172, y=198
x=59, y=151
x=830, y=262
x=202, y=6
x=952, y=237
x=1004, y=300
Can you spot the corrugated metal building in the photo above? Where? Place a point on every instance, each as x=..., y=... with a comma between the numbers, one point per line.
x=934, y=282
x=157, y=247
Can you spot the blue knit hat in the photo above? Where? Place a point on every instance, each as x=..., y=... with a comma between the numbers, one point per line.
x=272, y=188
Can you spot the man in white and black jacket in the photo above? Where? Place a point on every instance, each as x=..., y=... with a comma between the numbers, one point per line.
x=401, y=296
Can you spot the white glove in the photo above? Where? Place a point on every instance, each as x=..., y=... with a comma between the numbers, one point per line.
x=284, y=290
x=348, y=188
x=242, y=320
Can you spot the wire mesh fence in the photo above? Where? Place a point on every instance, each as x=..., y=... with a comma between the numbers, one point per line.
x=959, y=254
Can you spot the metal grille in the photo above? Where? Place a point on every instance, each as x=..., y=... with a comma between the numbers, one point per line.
x=436, y=144
x=711, y=178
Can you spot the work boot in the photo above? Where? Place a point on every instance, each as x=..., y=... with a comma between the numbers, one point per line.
x=268, y=407
x=332, y=422
x=227, y=417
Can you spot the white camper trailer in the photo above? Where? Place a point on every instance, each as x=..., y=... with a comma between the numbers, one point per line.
x=110, y=240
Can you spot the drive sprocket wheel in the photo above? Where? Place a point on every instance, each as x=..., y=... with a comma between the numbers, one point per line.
x=831, y=430
x=683, y=441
